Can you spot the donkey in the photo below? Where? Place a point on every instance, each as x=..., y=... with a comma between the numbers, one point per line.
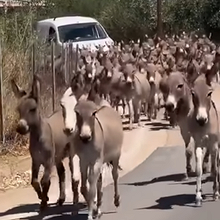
x=48, y=143
x=204, y=128
x=97, y=142
x=179, y=103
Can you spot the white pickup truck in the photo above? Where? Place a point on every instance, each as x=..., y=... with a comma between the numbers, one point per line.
x=85, y=31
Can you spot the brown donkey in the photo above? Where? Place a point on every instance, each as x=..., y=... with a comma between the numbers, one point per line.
x=48, y=144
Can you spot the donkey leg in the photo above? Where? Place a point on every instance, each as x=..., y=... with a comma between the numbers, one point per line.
x=136, y=106
x=61, y=175
x=115, y=175
x=34, y=178
x=94, y=173
x=74, y=182
x=97, y=212
x=84, y=177
x=45, y=184
x=149, y=111
x=116, y=102
x=215, y=171
x=188, y=151
x=199, y=157
x=131, y=113
x=205, y=167
x=124, y=108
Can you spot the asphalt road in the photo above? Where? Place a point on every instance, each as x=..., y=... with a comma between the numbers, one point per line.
x=153, y=190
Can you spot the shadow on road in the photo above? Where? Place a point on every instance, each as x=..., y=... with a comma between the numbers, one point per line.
x=65, y=217
x=192, y=183
x=156, y=126
x=173, y=177
x=52, y=210
x=176, y=200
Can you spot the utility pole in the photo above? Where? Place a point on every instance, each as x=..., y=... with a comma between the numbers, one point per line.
x=159, y=19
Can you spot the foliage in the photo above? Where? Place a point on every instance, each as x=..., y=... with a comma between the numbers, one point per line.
x=132, y=19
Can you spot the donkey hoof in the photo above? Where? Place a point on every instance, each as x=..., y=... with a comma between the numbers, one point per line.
x=198, y=202
x=75, y=200
x=190, y=172
x=186, y=177
x=90, y=218
x=43, y=206
x=97, y=213
x=205, y=169
x=60, y=201
x=216, y=196
x=117, y=201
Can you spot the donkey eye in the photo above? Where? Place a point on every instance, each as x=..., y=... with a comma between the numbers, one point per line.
x=209, y=94
x=180, y=86
x=33, y=110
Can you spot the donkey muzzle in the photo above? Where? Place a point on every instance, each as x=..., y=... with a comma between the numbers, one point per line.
x=22, y=127
x=85, y=138
x=169, y=106
x=202, y=116
x=170, y=103
x=151, y=80
x=202, y=121
x=68, y=131
x=109, y=74
x=85, y=134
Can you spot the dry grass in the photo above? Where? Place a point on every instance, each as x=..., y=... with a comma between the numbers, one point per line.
x=17, y=64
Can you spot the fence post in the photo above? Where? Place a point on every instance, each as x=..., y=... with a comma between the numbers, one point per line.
x=33, y=59
x=64, y=62
x=53, y=75
x=1, y=97
x=67, y=61
x=76, y=57
x=70, y=61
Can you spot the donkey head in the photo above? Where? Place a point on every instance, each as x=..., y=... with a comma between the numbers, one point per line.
x=29, y=116
x=67, y=103
x=201, y=95
x=85, y=111
x=177, y=87
x=69, y=100
x=128, y=71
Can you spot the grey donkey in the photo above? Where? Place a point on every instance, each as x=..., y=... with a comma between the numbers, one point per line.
x=180, y=102
x=97, y=142
x=48, y=145
x=204, y=128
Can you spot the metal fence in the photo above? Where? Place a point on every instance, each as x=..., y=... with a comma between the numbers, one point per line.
x=55, y=71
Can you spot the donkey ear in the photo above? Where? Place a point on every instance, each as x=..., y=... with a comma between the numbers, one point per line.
x=35, y=92
x=210, y=74
x=18, y=92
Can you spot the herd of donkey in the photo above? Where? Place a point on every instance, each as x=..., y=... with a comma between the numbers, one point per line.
x=174, y=73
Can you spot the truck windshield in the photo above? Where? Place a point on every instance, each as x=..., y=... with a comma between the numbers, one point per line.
x=81, y=32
